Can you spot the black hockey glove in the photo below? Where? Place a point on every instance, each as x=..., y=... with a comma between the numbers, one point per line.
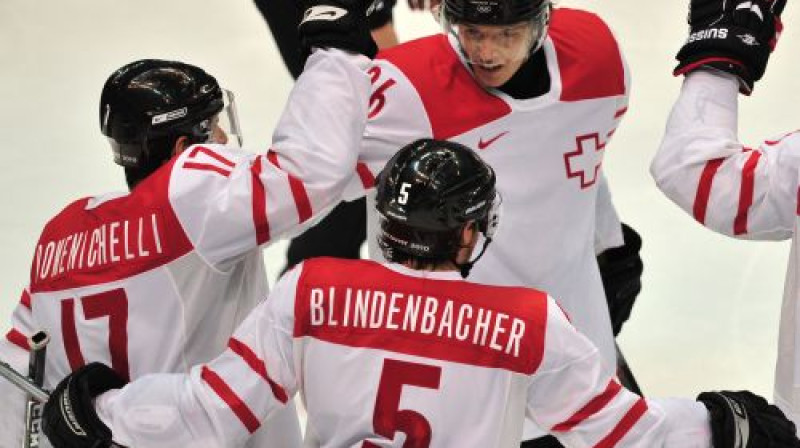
x=745, y=420
x=736, y=36
x=336, y=24
x=621, y=270
x=69, y=419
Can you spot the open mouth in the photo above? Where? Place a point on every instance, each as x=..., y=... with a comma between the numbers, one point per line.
x=489, y=68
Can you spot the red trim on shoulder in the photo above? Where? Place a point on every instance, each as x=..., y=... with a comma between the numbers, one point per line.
x=367, y=179
x=361, y=303
x=301, y=200
x=16, y=337
x=25, y=300
x=442, y=81
x=119, y=238
x=589, y=409
x=257, y=364
x=234, y=402
x=704, y=189
x=625, y=424
x=589, y=57
x=259, y=203
x=746, y=193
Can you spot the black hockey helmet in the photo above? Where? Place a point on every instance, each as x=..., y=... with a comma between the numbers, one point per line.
x=427, y=193
x=151, y=100
x=499, y=13
x=493, y=12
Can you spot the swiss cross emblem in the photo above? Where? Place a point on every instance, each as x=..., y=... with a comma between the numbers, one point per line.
x=584, y=162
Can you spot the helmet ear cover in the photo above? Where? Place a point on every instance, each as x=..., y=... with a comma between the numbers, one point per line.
x=147, y=105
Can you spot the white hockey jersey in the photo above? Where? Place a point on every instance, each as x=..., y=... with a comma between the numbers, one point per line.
x=749, y=193
x=547, y=153
x=385, y=356
x=158, y=279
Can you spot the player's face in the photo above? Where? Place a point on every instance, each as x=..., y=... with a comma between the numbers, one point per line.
x=496, y=52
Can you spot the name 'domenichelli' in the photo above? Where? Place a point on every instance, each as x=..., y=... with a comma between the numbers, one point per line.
x=427, y=315
x=108, y=243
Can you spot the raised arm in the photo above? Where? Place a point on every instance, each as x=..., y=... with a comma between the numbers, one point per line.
x=730, y=187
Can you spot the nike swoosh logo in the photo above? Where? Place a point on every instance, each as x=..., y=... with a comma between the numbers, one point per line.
x=485, y=144
x=328, y=13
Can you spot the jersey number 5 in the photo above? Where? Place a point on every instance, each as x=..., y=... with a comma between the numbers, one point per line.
x=112, y=304
x=387, y=418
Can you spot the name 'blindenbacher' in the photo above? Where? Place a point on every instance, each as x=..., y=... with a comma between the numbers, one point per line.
x=445, y=318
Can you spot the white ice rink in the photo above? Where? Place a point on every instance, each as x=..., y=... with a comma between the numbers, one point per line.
x=708, y=314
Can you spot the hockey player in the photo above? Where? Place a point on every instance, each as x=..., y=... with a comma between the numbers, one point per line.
x=406, y=353
x=539, y=92
x=156, y=279
x=729, y=187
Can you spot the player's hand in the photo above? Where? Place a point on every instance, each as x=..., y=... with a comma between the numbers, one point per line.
x=735, y=36
x=621, y=270
x=69, y=419
x=337, y=24
x=745, y=420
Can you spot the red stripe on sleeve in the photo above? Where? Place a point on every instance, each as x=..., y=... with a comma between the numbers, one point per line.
x=258, y=365
x=798, y=201
x=206, y=167
x=273, y=158
x=367, y=179
x=301, y=200
x=704, y=189
x=16, y=337
x=259, y=204
x=25, y=300
x=597, y=403
x=746, y=193
x=625, y=424
x=620, y=112
x=233, y=401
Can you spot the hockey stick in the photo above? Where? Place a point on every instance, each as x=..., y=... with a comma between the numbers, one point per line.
x=24, y=383
x=33, y=409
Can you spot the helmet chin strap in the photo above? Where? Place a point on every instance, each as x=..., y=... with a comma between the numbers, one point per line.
x=466, y=267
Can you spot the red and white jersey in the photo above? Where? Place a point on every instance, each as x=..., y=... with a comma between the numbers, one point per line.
x=158, y=279
x=740, y=191
x=385, y=356
x=547, y=153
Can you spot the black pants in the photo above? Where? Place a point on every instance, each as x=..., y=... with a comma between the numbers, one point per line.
x=542, y=442
x=340, y=234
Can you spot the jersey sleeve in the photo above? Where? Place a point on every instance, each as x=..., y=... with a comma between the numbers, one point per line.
x=220, y=403
x=731, y=188
x=229, y=201
x=396, y=118
x=14, y=352
x=572, y=397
